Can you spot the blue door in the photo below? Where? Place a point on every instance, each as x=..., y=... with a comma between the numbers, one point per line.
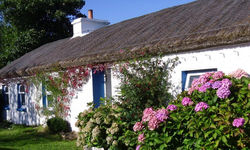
x=98, y=86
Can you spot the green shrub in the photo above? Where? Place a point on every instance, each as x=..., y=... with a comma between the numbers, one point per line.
x=213, y=114
x=57, y=125
x=144, y=82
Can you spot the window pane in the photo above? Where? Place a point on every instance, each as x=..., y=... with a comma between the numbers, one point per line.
x=23, y=99
x=22, y=88
x=191, y=79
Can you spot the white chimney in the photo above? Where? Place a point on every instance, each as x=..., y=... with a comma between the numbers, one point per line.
x=83, y=26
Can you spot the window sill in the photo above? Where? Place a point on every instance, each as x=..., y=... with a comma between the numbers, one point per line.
x=6, y=108
x=21, y=109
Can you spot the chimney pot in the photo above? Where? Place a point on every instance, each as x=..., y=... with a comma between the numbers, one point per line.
x=90, y=14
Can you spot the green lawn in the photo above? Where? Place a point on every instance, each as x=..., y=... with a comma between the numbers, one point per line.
x=32, y=138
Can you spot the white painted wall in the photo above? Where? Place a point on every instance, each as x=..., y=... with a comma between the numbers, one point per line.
x=30, y=117
x=83, y=26
x=79, y=102
x=225, y=59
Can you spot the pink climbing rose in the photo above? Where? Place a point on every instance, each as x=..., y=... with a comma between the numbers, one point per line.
x=238, y=122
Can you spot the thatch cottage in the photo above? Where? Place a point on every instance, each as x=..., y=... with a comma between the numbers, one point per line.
x=206, y=35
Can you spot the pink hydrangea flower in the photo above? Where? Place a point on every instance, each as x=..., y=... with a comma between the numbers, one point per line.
x=204, y=87
x=216, y=84
x=238, y=74
x=153, y=123
x=148, y=113
x=226, y=83
x=238, y=122
x=218, y=75
x=141, y=138
x=223, y=92
x=199, y=84
x=203, y=79
x=138, y=147
x=161, y=115
x=208, y=74
x=200, y=106
x=186, y=101
x=195, y=84
x=138, y=126
x=172, y=107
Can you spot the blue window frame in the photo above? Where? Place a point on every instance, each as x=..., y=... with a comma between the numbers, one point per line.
x=44, y=96
x=21, y=98
x=5, y=94
x=190, y=75
x=98, y=86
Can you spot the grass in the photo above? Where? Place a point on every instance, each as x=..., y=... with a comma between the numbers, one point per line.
x=32, y=138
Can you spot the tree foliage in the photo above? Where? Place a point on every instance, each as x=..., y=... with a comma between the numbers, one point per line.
x=26, y=25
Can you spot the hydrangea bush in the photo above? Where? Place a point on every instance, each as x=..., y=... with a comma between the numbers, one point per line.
x=100, y=127
x=212, y=114
x=141, y=86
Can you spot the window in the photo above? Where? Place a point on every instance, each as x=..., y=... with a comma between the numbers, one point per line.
x=5, y=94
x=189, y=76
x=108, y=83
x=21, y=98
x=46, y=97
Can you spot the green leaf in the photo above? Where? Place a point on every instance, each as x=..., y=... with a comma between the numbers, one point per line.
x=212, y=126
x=163, y=146
x=158, y=141
x=217, y=142
x=217, y=119
x=224, y=139
x=215, y=135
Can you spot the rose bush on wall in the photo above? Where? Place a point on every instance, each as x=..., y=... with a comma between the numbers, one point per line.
x=62, y=86
x=212, y=114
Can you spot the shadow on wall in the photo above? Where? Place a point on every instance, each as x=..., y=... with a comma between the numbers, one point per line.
x=30, y=117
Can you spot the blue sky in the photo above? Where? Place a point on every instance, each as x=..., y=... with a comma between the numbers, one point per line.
x=118, y=10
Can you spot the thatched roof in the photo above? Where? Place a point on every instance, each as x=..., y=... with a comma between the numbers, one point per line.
x=197, y=25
